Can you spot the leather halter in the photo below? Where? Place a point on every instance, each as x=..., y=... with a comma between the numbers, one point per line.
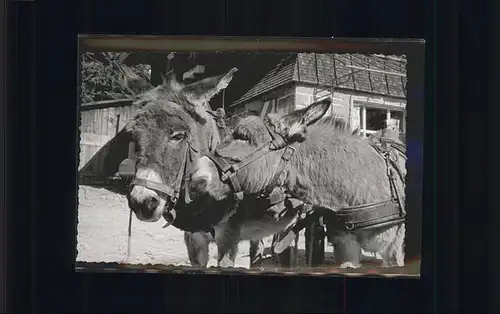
x=173, y=191
x=383, y=213
x=229, y=171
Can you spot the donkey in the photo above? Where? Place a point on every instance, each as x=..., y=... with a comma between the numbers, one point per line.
x=330, y=169
x=173, y=128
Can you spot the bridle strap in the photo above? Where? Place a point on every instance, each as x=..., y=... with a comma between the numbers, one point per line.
x=229, y=171
x=285, y=158
x=164, y=189
x=392, y=169
x=172, y=191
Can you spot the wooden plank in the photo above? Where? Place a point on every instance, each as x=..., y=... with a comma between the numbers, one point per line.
x=106, y=104
x=105, y=121
x=94, y=139
x=102, y=121
x=264, y=109
x=95, y=161
x=83, y=122
x=102, y=154
x=375, y=71
x=99, y=121
x=88, y=124
x=124, y=117
x=111, y=122
x=87, y=154
x=83, y=156
x=93, y=121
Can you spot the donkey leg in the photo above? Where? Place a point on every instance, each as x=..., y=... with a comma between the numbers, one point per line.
x=394, y=254
x=227, y=241
x=347, y=250
x=197, y=244
x=256, y=253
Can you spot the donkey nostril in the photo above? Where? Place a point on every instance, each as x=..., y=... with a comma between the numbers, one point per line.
x=152, y=203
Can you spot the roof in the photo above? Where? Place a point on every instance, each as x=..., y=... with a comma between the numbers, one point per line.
x=347, y=70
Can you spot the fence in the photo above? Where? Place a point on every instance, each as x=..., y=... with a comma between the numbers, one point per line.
x=100, y=122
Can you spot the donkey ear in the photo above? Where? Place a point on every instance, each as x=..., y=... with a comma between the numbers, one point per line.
x=199, y=93
x=292, y=126
x=316, y=111
x=134, y=83
x=168, y=78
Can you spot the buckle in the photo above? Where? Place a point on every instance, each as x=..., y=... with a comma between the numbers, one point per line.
x=228, y=174
x=239, y=196
x=288, y=153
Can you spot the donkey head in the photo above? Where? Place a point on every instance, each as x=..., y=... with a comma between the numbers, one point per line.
x=251, y=134
x=170, y=128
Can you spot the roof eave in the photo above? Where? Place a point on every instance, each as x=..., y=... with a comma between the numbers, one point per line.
x=239, y=102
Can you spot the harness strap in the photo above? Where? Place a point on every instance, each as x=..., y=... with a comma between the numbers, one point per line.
x=165, y=189
x=287, y=155
x=364, y=212
x=392, y=168
x=229, y=171
x=225, y=167
x=396, y=191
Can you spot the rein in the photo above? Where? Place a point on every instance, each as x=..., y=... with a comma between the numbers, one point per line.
x=172, y=191
x=229, y=171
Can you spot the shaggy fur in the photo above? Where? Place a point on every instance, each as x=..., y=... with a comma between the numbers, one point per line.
x=330, y=169
x=171, y=115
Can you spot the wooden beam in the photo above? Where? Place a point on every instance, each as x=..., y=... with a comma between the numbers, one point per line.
x=375, y=71
x=264, y=109
x=363, y=120
x=403, y=122
x=106, y=104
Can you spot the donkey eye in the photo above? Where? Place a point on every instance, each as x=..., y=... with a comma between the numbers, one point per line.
x=178, y=137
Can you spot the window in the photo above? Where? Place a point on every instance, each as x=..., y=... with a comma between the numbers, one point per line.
x=399, y=116
x=373, y=119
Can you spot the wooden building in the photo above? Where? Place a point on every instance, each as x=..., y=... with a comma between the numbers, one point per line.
x=102, y=144
x=369, y=91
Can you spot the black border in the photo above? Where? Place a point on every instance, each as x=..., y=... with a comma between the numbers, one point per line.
x=3, y=212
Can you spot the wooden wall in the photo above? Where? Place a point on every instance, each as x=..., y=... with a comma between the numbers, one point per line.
x=99, y=124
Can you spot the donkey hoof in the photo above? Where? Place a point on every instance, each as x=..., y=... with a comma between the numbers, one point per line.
x=350, y=265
